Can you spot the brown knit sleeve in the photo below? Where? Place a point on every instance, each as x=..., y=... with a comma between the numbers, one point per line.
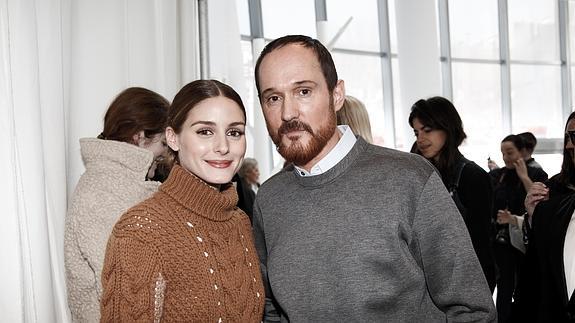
x=132, y=282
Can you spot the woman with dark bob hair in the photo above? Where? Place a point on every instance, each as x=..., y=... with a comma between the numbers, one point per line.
x=547, y=285
x=439, y=133
x=187, y=254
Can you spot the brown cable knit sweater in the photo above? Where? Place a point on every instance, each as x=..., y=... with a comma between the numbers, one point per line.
x=185, y=254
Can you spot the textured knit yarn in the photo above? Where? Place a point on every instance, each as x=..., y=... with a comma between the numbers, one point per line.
x=184, y=255
x=114, y=181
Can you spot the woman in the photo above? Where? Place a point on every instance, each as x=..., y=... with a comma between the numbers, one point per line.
x=510, y=185
x=439, y=133
x=547, y=285
x=118, y=164
x=354, y=114
x=187, y=253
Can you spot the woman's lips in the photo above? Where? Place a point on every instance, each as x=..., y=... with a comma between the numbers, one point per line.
x=220, y=163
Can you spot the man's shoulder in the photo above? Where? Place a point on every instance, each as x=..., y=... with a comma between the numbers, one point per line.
x=388, y=158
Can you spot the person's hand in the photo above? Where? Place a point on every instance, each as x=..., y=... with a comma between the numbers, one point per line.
x=521, y=168
x=491, y=164
x=504, y=217
x=537, y=193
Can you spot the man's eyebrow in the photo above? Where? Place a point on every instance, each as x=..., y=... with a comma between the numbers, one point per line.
x=298, y=83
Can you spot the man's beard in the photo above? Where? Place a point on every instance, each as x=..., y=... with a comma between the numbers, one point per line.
x=294, y=151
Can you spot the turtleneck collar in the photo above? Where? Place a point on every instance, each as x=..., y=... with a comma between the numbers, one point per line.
x=97, y=151
x=200, y=197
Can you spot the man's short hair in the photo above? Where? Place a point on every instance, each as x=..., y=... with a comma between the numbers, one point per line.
x=529, y=139
x=323, y=56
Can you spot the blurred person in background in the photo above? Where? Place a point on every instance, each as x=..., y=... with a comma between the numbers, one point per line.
x=439, y=133
x=354, y=114
x=119, y=164
x=511, y=183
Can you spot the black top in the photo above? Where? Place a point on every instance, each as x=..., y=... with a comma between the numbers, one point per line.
x=475, y=193
x=509, y=192
x=542, y=291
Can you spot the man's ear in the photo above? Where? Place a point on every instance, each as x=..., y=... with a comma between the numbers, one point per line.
x=338, y=95
x=172, y=139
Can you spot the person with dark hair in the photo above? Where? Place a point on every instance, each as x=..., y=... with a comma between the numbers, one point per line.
x=510, y=186
x=547, y=285
x=186, y=254
x=118, y=165
x=349, y=231
x=530, y=143
x=439, y=132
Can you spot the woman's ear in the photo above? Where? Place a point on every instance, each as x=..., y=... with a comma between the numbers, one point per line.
x=172, y=139
x=139, y=138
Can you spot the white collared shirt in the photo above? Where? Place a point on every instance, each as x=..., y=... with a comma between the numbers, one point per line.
x=343, y=146
x=569, y=256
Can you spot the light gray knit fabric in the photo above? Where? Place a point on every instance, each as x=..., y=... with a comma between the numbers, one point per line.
x=377, y=238
x=114, y=181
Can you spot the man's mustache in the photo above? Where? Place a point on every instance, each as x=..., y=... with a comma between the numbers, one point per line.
x=294, y=125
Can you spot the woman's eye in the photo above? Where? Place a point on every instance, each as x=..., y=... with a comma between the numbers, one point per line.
x=204, y=132
x=235, y=133
x=304, y=92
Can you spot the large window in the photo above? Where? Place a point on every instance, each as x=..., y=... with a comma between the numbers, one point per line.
x=506, y=73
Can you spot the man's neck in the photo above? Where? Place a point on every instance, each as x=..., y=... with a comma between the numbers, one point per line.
x=326, y=149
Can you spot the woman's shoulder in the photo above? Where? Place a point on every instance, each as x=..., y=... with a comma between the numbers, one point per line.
x=144, y=218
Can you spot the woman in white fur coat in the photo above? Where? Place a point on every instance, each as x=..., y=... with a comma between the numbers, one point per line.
x=119, y=164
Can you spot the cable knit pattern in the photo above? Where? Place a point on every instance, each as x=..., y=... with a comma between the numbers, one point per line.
x=113, y=182
x=196, y=239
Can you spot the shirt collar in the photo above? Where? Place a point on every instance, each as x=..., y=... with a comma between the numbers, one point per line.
x=343, y=146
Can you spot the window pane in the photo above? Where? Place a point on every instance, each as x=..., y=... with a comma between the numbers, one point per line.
x=362, y=76
x=536, y=100
x=400, y=120
x=292, y=17
x=571, y=31
x=243, y=16
x=533, y=30
x=392, y=25
x=362, y=33
x=473, y=25
x=477, y=98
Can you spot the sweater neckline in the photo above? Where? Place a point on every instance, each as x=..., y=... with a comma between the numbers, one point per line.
x=321, y=179
x=198, y=196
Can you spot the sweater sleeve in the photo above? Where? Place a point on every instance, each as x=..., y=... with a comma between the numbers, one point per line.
x=133, y=286
x=453, y=274
x=271, y=313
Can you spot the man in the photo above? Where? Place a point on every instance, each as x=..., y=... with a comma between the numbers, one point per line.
x=352, y=232
x=530, y=143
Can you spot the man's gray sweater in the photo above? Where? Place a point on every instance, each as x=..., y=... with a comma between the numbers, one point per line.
x=376, y=238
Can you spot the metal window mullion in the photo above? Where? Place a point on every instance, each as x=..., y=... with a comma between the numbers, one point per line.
x=445, y=49
x=256, y=20
x=386, y=71
x=564, y=57
x=506, y=113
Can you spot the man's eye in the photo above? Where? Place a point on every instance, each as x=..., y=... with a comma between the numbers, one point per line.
x=305, y=92
x=273, y=98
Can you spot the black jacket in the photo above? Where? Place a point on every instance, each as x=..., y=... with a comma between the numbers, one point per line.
x=542, y=290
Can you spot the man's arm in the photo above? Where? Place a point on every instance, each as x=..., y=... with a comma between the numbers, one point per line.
x=453, y=274
x=271, y=313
